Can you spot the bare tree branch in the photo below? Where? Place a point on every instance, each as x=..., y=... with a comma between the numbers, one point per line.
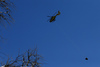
x=6, y=8
x=30, y=58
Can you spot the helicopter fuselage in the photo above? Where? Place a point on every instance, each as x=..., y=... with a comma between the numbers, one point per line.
x=52, y=18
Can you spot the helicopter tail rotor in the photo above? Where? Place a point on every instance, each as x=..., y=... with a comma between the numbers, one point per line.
x=58, y=13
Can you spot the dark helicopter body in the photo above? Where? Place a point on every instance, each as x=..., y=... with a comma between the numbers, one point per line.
x=53, y=17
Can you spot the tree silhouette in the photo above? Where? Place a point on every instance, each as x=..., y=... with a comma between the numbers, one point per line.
x=6, y=7
x=29, y=59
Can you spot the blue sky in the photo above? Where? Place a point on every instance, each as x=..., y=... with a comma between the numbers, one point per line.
x=64, y=43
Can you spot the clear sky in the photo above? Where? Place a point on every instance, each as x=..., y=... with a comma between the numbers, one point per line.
x=64, y=43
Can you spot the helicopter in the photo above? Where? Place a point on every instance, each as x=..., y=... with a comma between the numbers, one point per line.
x=53, y=17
